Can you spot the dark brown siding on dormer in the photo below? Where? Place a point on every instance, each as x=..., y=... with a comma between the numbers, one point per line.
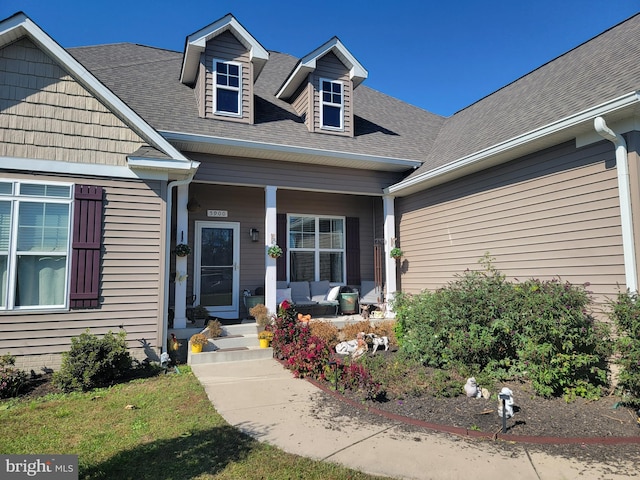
x=332, y=68
x=226, y=47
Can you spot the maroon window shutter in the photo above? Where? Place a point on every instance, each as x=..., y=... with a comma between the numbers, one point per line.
x=281, y=239
x=86, y=246
x=353, y=250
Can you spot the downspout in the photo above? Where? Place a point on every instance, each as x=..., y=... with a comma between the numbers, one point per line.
x=624, y=192
x=167, y=257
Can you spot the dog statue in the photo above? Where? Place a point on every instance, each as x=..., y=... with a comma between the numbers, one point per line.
x=364, y=311
x=377, y=342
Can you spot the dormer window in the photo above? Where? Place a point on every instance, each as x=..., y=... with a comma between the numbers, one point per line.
x=332, y=116
x=228, y=88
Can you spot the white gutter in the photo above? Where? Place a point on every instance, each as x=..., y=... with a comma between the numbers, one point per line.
x=167, y=258
x=275, y=147
x=503, y=147
x=626, y=218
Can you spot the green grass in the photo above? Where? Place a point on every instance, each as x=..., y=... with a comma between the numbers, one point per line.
x=172, y=432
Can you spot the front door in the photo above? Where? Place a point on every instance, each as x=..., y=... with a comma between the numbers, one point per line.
x=217, y=276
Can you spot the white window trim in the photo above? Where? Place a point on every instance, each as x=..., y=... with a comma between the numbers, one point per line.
x=340, y=105
x=216, y=86
x=15, y=198
x=316, y=249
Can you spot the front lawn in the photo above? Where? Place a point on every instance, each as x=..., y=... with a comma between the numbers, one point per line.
x=157, y=428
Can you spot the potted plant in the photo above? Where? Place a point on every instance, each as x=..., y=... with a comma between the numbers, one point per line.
x=198, y=340
x=182, y=250
x=265, y=338
x=274, y=251
x=261, y=314
x=396, y=253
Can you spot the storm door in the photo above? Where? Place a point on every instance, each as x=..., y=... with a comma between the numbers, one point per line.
x=217, y=273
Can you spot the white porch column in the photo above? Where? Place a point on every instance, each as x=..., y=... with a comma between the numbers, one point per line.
x=270, y=236
x=182, y=232
x=389, y=243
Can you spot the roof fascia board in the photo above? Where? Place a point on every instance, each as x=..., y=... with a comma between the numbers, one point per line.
x=197, y=42
x=56, y=167
x=447, y=172
x=27, y=27
x=233, y=142
x=357, y=73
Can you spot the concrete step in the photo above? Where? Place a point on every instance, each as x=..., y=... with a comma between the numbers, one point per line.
x=235, y=341
x=229, y=355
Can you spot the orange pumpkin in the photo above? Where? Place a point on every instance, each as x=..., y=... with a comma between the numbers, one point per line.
x=304, y=318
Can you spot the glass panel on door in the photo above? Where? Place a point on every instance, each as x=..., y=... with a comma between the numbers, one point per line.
x=217, y=267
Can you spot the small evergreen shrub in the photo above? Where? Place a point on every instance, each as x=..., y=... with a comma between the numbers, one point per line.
x=12, y=379
x=94, y=362
x=624, y=311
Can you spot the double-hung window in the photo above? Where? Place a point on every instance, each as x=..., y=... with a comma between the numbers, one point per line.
x=316, y=248
x=332, y=112
x=34, y=244
x=228, y=88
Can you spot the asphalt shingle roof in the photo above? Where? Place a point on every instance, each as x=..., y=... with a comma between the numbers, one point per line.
x=147, y=79
x=599, y=70
x=608, y=66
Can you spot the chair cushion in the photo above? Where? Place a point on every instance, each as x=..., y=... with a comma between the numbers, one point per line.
x=319, y=290
x=283, y=294
x=300, y=292
x=281, y=284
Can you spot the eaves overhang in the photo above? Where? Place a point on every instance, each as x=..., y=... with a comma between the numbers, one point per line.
x=233, y=147
x=307, y=64
x=175, y=169
x=572, y=127
x=196, y=43
x=19, y=25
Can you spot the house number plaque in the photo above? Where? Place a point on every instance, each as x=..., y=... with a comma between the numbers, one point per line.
x=217, y=213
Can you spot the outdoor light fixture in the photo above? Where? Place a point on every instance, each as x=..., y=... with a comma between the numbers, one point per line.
x=253, y=233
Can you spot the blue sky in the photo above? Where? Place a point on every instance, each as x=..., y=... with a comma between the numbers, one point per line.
x=440, y=56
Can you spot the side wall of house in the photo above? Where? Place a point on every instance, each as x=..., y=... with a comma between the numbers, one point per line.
x=552, y=214
x=45, y=114
x=131, y=280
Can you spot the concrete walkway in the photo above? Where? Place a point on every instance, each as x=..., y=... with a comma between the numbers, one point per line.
x=264, y=400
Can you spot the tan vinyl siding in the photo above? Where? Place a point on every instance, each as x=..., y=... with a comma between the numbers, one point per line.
x=302, y=104
x=226, y=47
x=554, y=214
x=256, y=172
x=46, y=114
x=131, y=281
x=330, y=67
x=200, y=89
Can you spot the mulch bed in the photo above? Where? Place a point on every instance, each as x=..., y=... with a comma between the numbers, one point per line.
x=604, y=430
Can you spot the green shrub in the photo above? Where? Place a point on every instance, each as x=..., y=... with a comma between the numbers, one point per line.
x=94, y=362
x=480, y=324
x=12, y=380
x=624, y=311
x=561, y=346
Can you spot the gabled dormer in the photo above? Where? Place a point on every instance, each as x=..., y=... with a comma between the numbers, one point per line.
x=222, y=62
x=320, y=88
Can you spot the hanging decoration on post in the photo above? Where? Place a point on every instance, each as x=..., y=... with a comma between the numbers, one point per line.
x=395, y=253
x=182, y=250
x=274, y=251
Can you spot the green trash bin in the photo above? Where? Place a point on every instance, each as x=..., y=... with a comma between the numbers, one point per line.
x=252, y=301
x=348, y=303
